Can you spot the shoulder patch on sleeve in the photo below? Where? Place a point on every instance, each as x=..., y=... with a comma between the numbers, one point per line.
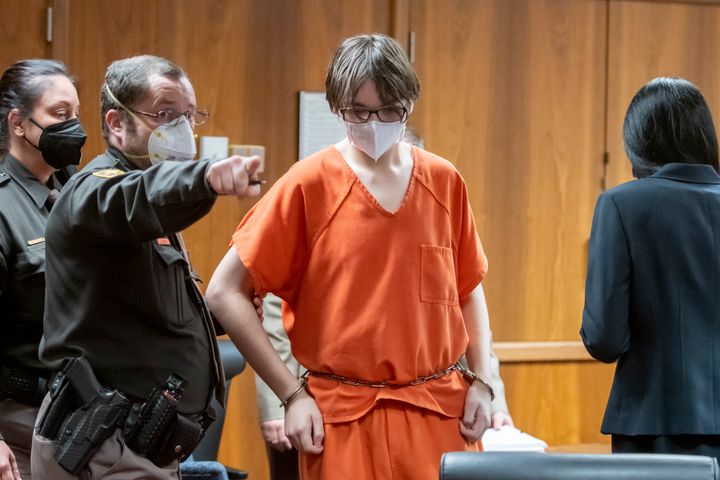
x=108, y=173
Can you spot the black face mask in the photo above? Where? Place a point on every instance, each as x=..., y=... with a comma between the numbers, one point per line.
x=61, y=143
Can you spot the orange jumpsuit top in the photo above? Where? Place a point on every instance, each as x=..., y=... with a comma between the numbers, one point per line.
x=369, y=294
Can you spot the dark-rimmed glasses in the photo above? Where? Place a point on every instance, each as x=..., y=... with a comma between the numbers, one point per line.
x=385, y=114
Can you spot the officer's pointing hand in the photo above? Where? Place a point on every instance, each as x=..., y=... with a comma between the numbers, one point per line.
x=231, y=176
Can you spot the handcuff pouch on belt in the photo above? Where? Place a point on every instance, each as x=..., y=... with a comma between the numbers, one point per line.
x=23, y=386
x=156, y=430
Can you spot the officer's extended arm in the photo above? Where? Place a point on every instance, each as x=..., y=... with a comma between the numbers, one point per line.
x=142, y=205
x=136, y=206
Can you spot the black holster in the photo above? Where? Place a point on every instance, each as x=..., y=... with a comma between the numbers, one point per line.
x=86, y=429
x=82, y=415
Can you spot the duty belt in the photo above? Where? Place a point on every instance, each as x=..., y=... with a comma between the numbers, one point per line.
x=83, y=414
x=22, y=385
x=388, y=383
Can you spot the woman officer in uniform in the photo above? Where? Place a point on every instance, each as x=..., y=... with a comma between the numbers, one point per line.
x=40, y=142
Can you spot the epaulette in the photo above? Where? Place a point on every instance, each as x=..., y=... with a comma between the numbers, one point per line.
x=4, y=177
x=108, y=173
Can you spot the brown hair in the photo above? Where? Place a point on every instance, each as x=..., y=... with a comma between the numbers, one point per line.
x=375, y=57
x=128, y=80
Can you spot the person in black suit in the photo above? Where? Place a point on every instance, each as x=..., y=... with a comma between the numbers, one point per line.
x=652, y=293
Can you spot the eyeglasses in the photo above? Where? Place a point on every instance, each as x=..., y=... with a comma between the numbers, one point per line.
x=385, y=114
x=195, y=117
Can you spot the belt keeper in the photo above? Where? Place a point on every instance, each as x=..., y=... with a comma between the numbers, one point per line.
x=295, y=393
x=474, y=377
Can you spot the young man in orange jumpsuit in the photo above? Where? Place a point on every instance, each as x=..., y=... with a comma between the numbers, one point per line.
x=372, y=245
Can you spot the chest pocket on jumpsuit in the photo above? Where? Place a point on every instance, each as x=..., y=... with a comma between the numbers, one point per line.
x=437, y=275
x=172, y=286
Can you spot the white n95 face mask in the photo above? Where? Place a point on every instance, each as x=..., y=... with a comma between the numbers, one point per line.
x=172, y=141
x=375, y=138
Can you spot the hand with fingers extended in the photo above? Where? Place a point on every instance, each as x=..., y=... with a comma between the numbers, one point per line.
x=476, y=417
x=304, y=424
x=233, y=175
x=8, y=466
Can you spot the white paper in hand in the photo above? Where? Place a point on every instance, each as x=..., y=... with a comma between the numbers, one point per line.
x=510, y=439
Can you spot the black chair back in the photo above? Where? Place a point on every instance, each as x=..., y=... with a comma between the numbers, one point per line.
x=560, y=466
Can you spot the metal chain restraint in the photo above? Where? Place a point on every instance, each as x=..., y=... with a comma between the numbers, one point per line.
x=457, y=366
x=387, y=383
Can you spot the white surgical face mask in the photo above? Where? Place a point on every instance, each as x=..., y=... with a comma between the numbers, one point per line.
x=172, y=141
x=375, y=138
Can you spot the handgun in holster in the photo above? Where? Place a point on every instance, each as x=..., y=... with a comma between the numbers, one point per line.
x=100, y=413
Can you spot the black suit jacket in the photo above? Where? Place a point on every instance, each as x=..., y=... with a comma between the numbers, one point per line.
x=652, y=301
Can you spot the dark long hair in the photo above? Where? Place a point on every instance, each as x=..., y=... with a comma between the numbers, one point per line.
x=21, y=85
x=668, y=121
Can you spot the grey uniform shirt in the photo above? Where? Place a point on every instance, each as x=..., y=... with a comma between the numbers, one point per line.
x=23, y=215
x=118, y=286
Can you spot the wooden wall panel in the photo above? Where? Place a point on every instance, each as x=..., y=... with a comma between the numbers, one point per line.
x=648, y=40
x=560, y=402
x=22, y=31
x=512, y=93
x=96, y=34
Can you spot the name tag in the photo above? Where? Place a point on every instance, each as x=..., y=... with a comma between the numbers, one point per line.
x=35, y=241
